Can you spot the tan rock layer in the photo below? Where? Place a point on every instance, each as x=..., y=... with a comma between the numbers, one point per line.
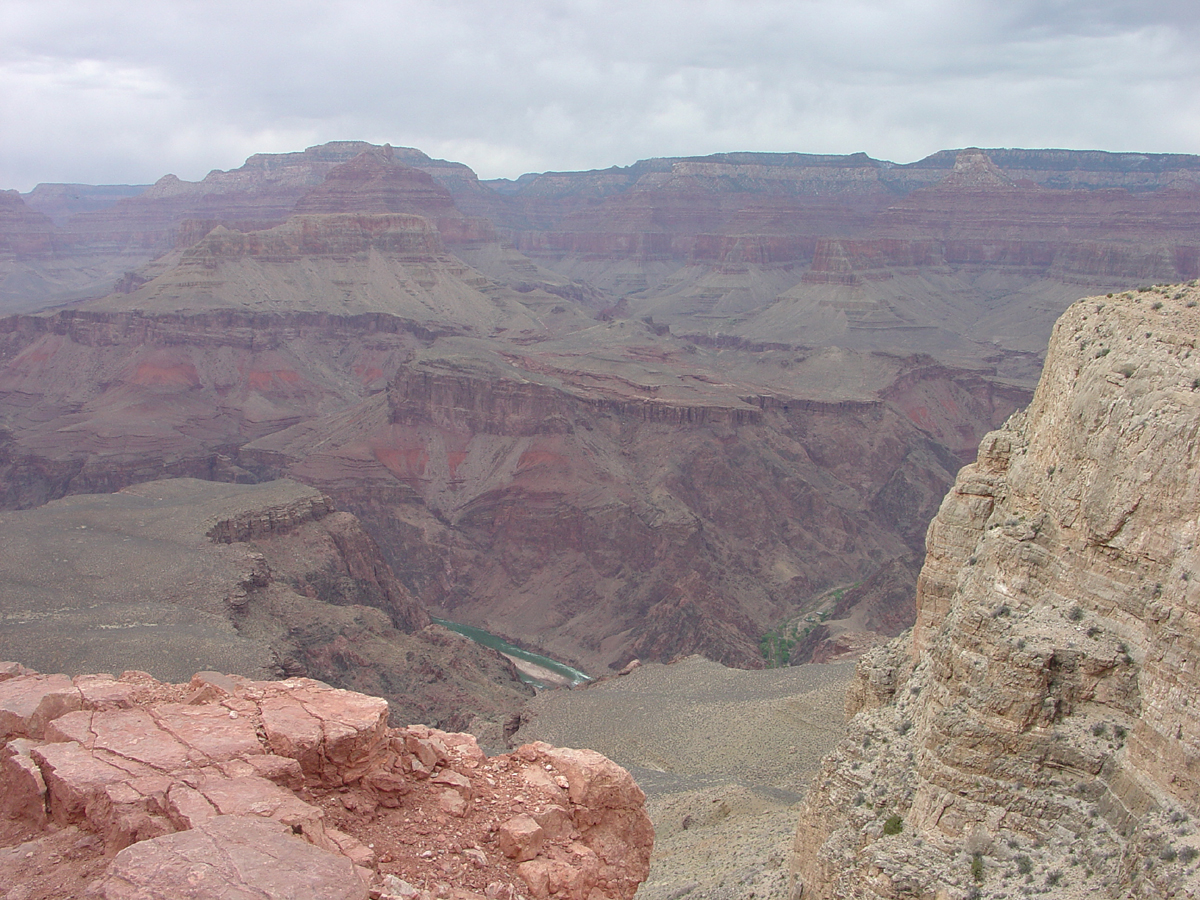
x=1039, y=720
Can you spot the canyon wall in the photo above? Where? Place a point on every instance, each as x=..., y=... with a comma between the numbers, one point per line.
x=1037, y=729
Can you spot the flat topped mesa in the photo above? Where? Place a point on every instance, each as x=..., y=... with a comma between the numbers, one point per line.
x=226, y=786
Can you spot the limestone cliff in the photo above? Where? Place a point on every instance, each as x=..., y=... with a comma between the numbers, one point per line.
x=1037, y=729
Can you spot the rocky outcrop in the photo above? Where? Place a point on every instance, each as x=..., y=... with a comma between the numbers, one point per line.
x=1038, y=724
x=265, y=580
x=225, y=786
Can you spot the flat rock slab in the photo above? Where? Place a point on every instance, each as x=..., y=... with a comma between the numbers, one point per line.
x=231, y=858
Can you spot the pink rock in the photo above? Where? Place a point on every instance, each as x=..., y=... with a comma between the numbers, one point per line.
x=28, y=702
x=211, y=733
x=556, y=821
x=74, y=726
x=291, y=731
x=452, y=801
x=454, y=780
x=231, y=857
x=353, y=727
x=187, y=807
x=134, y=734
x=74, y=778
x=351, y=847
x=253, y=796
x=24, y=790
x=105, y=692
x=12, y=670
x=284, y=771
x=520, y=838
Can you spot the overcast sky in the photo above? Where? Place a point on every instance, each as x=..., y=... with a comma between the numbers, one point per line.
x=127, y=91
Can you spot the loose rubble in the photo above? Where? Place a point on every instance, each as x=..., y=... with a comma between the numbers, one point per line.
x=122, y=788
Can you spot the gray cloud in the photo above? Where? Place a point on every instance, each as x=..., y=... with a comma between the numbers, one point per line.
x=126, y=91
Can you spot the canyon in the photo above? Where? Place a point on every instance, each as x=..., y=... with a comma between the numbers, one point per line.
x=269, y=422
x=641, y=412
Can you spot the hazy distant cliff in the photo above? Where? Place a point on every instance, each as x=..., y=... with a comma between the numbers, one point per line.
x=1038, y=727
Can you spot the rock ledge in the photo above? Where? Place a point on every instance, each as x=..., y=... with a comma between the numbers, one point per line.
x=130, y=787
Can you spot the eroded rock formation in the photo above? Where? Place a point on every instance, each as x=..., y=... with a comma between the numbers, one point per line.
x=265, y=580
x=1037, y=729
x=133, y=788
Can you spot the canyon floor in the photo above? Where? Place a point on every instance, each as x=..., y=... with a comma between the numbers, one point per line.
x=724, y=756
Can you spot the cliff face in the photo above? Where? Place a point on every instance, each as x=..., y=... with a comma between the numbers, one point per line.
x=1038, y=724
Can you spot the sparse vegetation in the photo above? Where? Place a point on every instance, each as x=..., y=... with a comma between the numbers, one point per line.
x=1024, y=864
x=893, y=825
x=977, y=867
x=776, y=645
x=1188, y=854
x=1099, y=729
x=1075, y=614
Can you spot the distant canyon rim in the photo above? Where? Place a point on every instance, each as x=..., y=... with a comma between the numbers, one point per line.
x=696, y=405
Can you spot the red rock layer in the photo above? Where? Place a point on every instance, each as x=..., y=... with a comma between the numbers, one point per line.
x=232, y=787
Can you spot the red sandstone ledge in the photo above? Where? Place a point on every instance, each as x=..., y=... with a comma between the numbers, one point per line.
x=237, y=788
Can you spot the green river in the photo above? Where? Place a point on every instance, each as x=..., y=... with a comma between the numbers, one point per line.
x=479, y=636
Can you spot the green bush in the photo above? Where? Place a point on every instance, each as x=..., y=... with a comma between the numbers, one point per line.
x=893, y=825
x=977, y=867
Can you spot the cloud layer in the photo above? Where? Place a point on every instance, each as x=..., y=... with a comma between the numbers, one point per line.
x=104, y=91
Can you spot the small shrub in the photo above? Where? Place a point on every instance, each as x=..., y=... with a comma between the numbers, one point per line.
x=1190, y=304
x=1099, y=729
x=1120, y=732
x=1188, y=854
x=1157, y=304
x=1001, y=611
x=1075, y=614
x=1110, y=294
x=977, y=867
x=1094, y=631
x=1127, y=370
x=1103, y=351
x=1054, y=878
x=1024, y=864
x=905, y=727
x=1168, y=854
x=1021, y=644
x=893, y=825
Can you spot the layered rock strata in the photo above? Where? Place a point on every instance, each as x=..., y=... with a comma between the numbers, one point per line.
x=229, y=787
x=1037, y=729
